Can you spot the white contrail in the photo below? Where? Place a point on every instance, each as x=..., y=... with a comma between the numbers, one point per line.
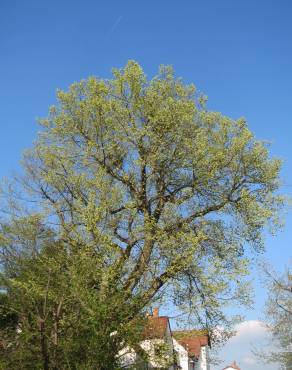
x=115, y=25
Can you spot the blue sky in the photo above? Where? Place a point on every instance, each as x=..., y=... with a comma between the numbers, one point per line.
x=237, y=52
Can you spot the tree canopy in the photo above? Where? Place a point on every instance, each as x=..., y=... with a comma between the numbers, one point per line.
x=164, y=195
x=278, y=313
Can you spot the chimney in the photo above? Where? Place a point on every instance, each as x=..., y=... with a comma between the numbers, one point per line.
x=235, y=366
x=155, y=312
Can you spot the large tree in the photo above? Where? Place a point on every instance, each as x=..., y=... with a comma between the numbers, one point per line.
x=164, y=194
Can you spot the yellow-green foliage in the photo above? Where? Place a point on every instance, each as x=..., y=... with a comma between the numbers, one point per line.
x=165, y=195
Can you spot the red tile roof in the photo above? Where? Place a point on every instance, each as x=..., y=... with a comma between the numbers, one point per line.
x=193, y=345
x=192, y=340
x=156, y=327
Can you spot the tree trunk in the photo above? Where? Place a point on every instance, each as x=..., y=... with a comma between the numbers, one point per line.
x=44, y=347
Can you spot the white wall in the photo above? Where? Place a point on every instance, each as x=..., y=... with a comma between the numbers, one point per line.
x=203, y=361
x=182, y=353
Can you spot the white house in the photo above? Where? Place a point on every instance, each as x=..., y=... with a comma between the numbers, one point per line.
x=178, y=350
x=192, y=350
x=233, y=366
